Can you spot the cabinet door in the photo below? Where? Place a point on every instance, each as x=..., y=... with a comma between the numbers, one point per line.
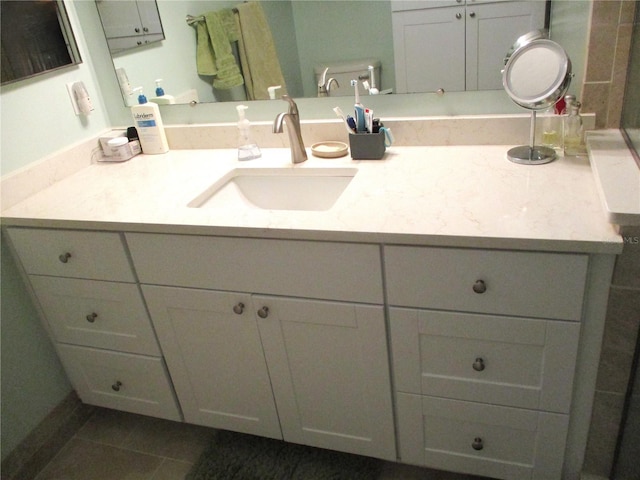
x=107, y=315
x=429, y=49
x=491, y=31
x=149, y=17
x=481, y=358
x=468, y=437
x=329, y=371
x=215, y=357
x=122, y=381
x=119, y=19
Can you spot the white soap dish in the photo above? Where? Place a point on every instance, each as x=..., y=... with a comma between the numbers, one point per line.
x=329, y=149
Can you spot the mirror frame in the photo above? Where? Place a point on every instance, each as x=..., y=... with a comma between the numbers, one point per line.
x=66, y=34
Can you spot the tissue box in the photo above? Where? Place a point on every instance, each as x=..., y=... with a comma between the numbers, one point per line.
x=367, y=146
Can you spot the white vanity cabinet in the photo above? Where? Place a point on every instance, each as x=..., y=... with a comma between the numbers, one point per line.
x=95, y=314
x=279, y=338
x=484, y=347
x=457, y=45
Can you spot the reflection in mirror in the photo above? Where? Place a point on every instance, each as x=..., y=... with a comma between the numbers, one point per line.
x=36, y=38
x=129, y=24
x=310, y=35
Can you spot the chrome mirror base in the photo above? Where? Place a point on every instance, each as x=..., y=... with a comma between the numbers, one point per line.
x=526, y=155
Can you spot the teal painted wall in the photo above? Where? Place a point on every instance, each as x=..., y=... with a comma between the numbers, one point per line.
x=33, y=381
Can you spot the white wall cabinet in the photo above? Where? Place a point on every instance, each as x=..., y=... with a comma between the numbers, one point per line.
x=484, y=349
x=286, y=358
x=457, y=46
x=130, y=23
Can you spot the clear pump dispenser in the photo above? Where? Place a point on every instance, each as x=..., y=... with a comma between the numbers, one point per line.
x=247, y=148
x=573, y=129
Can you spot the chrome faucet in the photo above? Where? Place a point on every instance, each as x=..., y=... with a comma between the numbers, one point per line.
x=298, y=152
x=324, y=85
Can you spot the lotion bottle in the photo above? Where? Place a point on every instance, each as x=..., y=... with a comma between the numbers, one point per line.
x=148, y=123
x=247, y=148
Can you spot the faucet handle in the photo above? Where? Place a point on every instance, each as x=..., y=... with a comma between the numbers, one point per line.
x=293, y=108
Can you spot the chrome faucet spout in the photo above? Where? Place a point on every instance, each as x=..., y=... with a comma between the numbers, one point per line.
x=292, y=120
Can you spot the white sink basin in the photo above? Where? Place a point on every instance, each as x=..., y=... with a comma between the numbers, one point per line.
x=277, y=188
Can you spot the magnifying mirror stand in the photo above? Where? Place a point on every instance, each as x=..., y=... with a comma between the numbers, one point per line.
x=531, y=155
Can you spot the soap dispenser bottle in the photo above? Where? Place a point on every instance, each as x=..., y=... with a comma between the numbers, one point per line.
x=573, y=129
x=247, y=148
x=148, y=123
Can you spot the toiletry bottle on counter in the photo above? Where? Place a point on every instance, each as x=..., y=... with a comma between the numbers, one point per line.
x=573, y=129
x=148, y=123
x=247, y=148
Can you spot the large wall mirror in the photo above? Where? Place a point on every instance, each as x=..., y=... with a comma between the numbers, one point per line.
x=36, y=38
x=418, y=46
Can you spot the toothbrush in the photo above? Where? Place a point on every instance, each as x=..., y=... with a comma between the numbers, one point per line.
x=359, y=109
x=340, y=114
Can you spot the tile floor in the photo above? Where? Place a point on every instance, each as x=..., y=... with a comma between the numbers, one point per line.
x=115, y=445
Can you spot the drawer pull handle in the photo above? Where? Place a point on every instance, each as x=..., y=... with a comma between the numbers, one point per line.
x=477, y=444
x=478, y=365
x=92, y=317
x=479, y=286
x=263, y=312
x=239, y=308
x=64, y=258
x=116, y=386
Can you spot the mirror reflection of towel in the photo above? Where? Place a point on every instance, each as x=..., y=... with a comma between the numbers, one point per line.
x=214, y=55
x=258, y=57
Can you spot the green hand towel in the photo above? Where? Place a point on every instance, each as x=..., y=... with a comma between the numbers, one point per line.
x=214, y=55
x=260, y=64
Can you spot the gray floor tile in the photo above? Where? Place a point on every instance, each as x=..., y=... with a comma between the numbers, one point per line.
x=172, y=470
x=164, y=438
x=83, y=460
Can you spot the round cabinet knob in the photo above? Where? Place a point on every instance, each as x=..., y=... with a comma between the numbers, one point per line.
x=92, y=317
x=137, y=30
x=139, y=42
x=239, y=308
x=263, y=312
x=116, y=386
x=64, y=258
x=472, y=14
x=479, y=286
x=478, y=365
x=477, y=444
x=145, y=29
x=458, y=16
x=440, y=92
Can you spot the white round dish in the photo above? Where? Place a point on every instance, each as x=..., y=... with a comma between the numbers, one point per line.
x=329, y=149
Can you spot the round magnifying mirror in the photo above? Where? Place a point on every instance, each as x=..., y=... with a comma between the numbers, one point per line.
x=536, y=75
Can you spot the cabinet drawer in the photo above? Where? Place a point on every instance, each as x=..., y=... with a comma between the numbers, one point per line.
x=68, y=253
x=528, y=284
x=133, y=383
x=501, y=360
x=95, y=313
x=487, y=440
x=338, y=271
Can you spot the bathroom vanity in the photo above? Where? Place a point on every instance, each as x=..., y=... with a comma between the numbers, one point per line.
x=446, y=311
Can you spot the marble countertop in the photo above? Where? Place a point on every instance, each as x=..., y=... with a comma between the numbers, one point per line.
x=460, y=196
x=617, y=176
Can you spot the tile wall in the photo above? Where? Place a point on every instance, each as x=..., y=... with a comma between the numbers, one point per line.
x=609, y=45
x=603, y=92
